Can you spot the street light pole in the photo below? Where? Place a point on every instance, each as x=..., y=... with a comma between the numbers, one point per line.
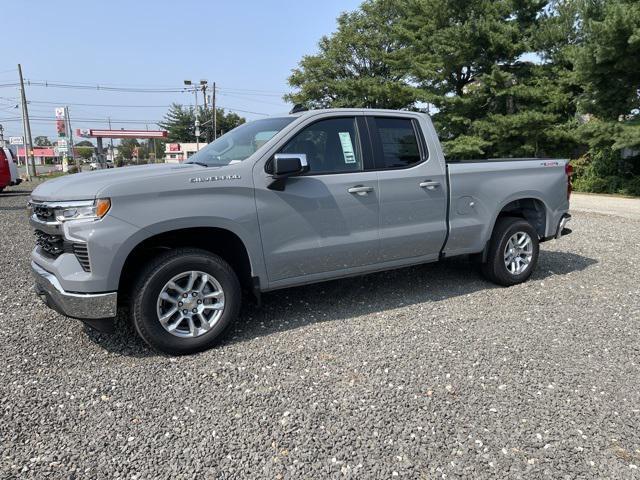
x=197, y=122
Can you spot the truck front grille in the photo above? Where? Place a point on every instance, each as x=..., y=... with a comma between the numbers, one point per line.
x=50, y=244
x=82, y=254
x=55, y=245
x=43, y=212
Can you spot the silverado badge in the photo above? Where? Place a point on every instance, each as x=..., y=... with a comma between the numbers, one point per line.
x=214, y=178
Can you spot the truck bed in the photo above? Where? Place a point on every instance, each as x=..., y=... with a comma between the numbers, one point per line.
x=480, y=189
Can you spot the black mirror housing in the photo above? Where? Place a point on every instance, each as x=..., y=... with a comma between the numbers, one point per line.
x=287, y=165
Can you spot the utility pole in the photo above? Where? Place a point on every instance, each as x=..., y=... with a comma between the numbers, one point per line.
x=28, y=142
x=113, y=157
x=215, y=112
x=24, y=143
x=207, y=137
x=1, y=135
x=197, y=132
x=203, y=83
x=73, y=152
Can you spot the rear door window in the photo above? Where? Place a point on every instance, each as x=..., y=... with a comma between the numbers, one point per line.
x=395, y=143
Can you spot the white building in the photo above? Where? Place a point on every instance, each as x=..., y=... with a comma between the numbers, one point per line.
x=179, y=152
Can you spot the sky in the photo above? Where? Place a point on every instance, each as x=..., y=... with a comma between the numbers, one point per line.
x=247, y=47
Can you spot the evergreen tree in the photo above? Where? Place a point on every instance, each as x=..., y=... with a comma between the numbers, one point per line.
x=543, y=78
x=179, y=122
x=354, y=66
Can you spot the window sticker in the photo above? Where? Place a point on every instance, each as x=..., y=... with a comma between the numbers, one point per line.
x=347, y=147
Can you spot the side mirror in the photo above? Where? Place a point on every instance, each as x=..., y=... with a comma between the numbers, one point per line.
x=286, y=165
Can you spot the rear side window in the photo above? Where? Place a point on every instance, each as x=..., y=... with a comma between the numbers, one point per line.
x=395, y=143
x=331, y=146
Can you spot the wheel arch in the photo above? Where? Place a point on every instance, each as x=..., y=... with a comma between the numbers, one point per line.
x=528, y=206
x=220, y=240
x=532, y=209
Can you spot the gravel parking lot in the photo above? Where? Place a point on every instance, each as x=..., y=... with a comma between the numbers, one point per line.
x=427, y=372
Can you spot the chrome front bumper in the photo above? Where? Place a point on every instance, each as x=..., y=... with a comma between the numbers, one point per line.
x=83, y=306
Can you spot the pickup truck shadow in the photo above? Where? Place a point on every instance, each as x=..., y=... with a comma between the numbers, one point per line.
x=342, y=299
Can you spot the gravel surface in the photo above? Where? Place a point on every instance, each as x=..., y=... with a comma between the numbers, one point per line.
x=427, y=372
x=606, y=204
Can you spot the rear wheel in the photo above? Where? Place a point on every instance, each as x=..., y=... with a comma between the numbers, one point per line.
x=513, y=252
x=184, y=300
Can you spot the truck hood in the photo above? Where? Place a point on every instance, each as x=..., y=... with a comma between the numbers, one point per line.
x=86, y=185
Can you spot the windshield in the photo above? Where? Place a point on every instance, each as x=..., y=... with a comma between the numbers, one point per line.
x=240, y=143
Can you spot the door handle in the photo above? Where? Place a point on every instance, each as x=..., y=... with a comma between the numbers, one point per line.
x=429, y=185
x=360, y=189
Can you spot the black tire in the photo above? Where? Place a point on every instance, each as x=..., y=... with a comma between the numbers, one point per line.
x=149, y=285
x=495, y=269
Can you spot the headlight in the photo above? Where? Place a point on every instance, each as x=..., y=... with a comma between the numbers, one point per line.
x=82, y=210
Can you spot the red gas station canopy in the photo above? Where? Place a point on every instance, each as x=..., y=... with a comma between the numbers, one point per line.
x=91, y=133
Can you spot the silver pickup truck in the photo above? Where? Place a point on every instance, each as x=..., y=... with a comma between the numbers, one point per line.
x=280, y=202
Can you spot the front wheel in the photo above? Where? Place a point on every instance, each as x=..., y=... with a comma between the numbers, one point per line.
x=184, y=300
x=513, y=252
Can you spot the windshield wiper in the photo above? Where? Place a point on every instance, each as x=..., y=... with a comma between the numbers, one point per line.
x=199, y=163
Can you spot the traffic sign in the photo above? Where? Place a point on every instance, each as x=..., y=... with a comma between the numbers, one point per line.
x=16, y=140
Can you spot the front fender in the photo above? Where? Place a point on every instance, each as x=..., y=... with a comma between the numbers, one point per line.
x=250, y=241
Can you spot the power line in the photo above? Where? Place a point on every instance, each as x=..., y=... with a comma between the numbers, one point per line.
x=238, y=97
x=257, y=93
x=111, y=88
x=149, y=86
x=102, y=121
x=94, y=87
x=112, y=105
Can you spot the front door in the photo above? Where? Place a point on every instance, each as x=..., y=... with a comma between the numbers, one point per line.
x=327, y=219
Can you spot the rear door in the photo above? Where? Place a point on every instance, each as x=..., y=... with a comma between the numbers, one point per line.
x=327, y=219
x=412, y=190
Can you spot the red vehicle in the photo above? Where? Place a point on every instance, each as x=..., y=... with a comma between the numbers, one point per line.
x=5, y=173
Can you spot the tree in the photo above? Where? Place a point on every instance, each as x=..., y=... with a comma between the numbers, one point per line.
x=463, y=59
x=224, y=122
x=466, y=60
x=507, y=78
x=599, y=47
x=179, y=122
x=126, y=149
x=84, y=143
x=355, y=66
x=84, y=152
x=607, y=60
x=42, y=141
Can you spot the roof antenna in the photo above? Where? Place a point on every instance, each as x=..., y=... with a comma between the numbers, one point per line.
x=298, y=107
